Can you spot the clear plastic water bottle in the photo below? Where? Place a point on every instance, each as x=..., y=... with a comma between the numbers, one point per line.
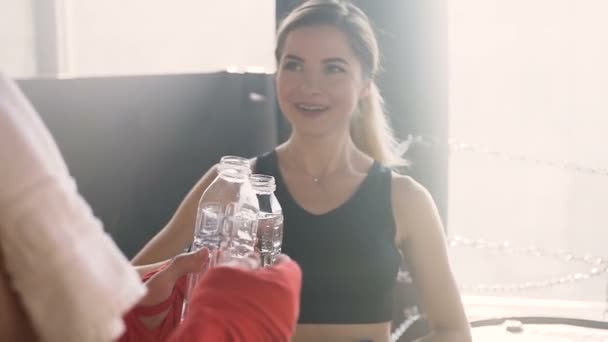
x=270, y=219
x=227, y=210
x=226, y=221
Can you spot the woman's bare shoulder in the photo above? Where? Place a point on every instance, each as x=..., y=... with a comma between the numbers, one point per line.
x=413, y=205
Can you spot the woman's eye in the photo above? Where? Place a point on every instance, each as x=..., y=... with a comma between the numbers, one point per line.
x=292, y=66
x=334, y=69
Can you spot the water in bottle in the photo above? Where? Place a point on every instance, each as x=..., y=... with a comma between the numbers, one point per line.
x=270, y=219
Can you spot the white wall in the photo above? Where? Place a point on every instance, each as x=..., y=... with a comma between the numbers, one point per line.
x=139, y=36
x=113, y=37
x=17, y=57
x=529, y=78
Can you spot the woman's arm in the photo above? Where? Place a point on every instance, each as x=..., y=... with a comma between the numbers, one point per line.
x=421, y=240
x=178, y=233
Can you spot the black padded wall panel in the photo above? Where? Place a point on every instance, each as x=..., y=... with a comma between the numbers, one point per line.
x=137, y=144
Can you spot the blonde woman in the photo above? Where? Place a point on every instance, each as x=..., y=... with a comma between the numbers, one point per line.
x=348, y=216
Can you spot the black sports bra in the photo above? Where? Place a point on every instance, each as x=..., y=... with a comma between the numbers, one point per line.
x=348, y=256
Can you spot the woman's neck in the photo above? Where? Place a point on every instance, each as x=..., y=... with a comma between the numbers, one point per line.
x=320, y=156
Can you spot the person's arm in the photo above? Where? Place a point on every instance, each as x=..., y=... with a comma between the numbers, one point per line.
x=158, y=314
x=178, y=233
x=58, y=258
x=145, y=269
x=422, y=242
x=15, y=325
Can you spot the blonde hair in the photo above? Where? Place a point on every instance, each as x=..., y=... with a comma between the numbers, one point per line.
x=370, y=129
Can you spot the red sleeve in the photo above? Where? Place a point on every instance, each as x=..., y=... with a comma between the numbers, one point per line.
x=230, y=304
x=136, y=331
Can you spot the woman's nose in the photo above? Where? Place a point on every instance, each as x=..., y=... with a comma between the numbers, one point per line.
x=311, y=84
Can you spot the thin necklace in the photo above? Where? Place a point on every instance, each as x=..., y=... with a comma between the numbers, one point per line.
x=316, y=179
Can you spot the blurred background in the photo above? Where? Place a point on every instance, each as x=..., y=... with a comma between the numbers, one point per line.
x=503, y=103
